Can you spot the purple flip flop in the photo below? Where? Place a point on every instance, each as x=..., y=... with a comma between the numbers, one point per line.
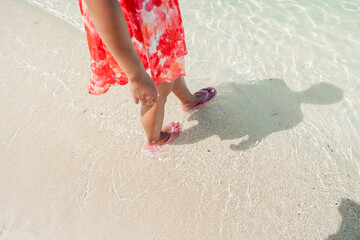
x=207, y=92
x=170, y=139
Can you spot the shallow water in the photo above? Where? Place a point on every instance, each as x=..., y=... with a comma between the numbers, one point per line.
x=247, y=42
x=275, y=156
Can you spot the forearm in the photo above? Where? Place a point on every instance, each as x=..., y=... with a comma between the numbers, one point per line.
x=110, y=23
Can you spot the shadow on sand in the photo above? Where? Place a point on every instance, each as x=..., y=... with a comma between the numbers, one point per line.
x=250, y=112
x=350, y=225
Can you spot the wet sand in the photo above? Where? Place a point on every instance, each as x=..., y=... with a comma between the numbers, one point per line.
x=256, y=163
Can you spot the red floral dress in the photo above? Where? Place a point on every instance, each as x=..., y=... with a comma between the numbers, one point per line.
x=157, y=33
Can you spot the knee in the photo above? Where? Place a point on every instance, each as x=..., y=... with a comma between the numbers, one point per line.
x=164, y=91
x=162, y=99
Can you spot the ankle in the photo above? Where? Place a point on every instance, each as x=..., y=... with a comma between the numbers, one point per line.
x=153, y=140
x=157, y=140
x=189, y=101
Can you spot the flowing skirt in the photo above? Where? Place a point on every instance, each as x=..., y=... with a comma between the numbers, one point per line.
x=157, y=33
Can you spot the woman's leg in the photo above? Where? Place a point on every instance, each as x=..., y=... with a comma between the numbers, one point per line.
x=152, y=117
x=187, y=99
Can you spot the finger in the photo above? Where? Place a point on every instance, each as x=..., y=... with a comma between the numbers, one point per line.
x=143, y=102
x=148, y=101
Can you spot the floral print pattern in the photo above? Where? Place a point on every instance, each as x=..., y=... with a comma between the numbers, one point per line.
x=157, y=33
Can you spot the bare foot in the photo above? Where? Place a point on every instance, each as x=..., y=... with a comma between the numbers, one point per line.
x=166, y=136
x=197, y=98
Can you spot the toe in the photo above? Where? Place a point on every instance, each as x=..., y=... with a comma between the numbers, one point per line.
x=177, y=126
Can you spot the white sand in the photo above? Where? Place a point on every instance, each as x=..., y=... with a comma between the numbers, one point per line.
x=256, y=163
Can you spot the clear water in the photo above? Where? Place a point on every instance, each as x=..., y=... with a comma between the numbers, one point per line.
x=275, y=156
x=256, y=37
x=248, y=42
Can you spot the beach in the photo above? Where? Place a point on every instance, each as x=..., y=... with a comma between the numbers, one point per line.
x=276, y=155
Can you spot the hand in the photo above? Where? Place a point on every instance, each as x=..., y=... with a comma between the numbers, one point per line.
x=143, y=89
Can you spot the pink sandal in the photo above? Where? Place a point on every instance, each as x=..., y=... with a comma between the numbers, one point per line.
x=207, y=92
x=170, y=139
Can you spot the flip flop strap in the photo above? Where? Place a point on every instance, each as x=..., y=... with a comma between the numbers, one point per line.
x=205, y=98
x=171, y=133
